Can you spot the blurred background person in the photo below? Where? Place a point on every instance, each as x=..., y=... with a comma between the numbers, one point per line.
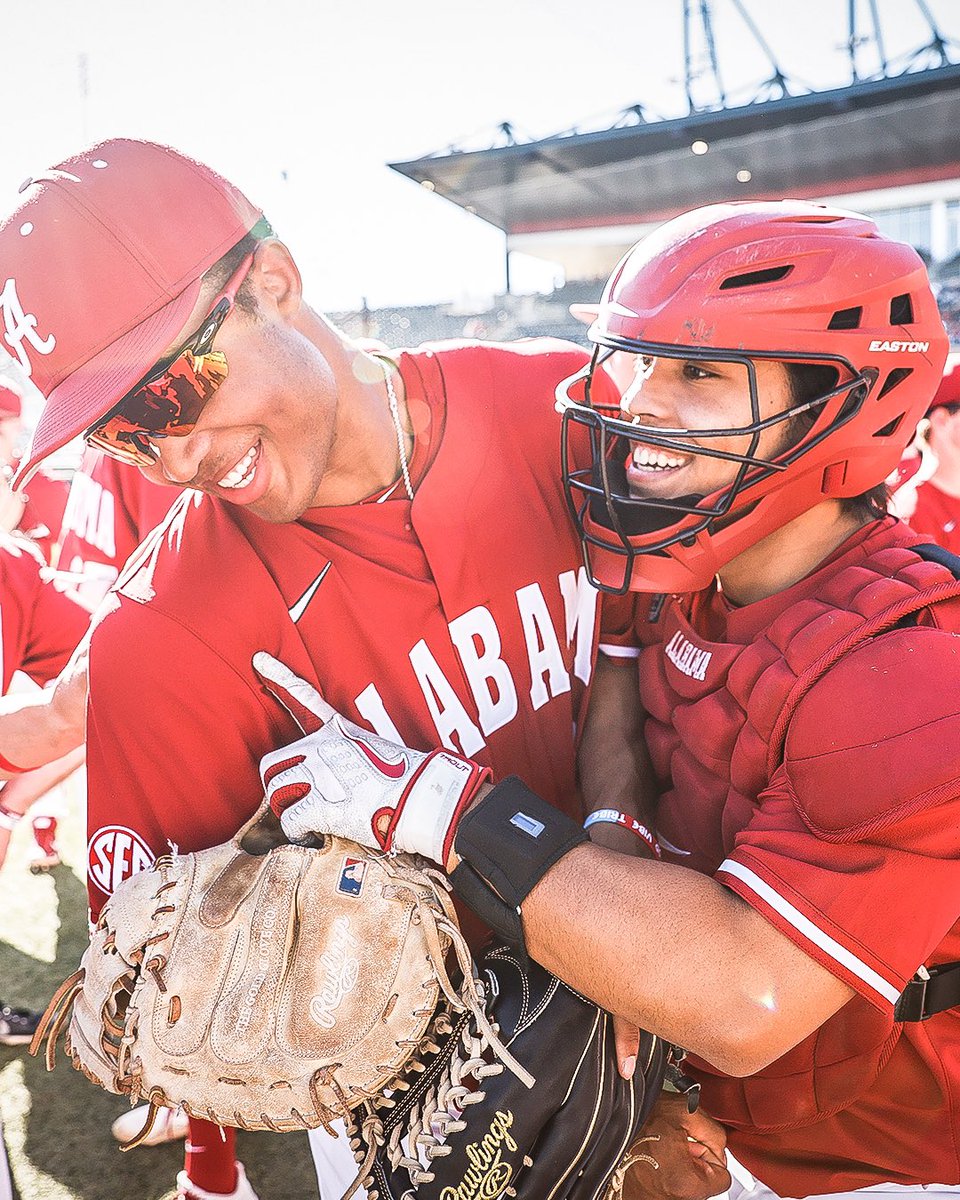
x=39, y=512
x=937, y=510
x=109, y=511
x=39, y=631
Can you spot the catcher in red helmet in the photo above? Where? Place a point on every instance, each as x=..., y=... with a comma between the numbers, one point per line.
x=831, y=331
x=790, y=911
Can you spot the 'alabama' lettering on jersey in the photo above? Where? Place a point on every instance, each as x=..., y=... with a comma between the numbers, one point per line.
x=462, y=619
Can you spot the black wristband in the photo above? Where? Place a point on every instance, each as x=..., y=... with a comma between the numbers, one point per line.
x=506, y=844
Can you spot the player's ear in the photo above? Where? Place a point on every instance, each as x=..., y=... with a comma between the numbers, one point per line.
x=276, y=278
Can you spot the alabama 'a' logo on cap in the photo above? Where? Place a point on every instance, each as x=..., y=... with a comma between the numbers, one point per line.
x=20, y=327
x=114, y=853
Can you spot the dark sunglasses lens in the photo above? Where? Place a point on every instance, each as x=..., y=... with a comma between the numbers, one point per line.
x=173, y=402
x=127, y=446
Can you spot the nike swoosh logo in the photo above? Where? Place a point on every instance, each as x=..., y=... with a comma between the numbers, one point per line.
x=391, y=770
x=298, y=609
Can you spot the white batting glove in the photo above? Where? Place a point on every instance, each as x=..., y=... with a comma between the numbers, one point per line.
x=345, y=780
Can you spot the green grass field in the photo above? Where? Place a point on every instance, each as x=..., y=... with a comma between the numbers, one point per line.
x=57, y=1126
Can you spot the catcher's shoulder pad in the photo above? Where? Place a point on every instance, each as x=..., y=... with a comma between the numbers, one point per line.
x=879, y=725
x=465, y=1127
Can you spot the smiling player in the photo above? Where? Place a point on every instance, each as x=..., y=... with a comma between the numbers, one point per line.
x=347, y=511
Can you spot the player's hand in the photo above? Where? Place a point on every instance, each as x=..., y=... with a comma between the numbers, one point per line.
x=688, y=1150
x=345, y=780
x=626, y=1037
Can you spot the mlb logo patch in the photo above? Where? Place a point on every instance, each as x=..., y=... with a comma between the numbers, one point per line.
x=351, y=876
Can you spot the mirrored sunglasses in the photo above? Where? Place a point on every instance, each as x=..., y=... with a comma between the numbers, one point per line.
x=169, y=399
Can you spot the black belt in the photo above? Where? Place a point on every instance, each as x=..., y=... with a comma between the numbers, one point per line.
x=933, y=990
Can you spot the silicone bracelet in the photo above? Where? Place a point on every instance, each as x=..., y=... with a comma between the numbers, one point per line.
x=612, y=817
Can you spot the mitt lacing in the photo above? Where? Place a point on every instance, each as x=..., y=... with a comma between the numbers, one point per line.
x=118, y=1017
x=55, y=1016
x=418, y=1138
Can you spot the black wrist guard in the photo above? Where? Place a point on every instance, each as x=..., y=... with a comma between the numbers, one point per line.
x=506, y=844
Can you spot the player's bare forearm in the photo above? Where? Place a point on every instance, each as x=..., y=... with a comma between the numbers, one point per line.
x=39, y=729
x=21, y=792
x=732, y=989
x=614, y=766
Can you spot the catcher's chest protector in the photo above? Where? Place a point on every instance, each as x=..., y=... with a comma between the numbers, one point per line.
x=465, y=1128
x=736, y=700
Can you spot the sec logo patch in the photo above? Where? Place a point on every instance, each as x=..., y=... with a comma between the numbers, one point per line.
x=114, y=853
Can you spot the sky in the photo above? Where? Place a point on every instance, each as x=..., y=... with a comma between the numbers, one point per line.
x=303, y=102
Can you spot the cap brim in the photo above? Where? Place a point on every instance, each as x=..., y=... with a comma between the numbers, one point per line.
x=89, y=393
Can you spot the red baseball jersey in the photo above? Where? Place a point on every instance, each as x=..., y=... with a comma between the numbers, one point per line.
x=937, y=516
x=109, y=511
x=837, y=817
x=40, y=627
x=463, y=618
x=45, y=501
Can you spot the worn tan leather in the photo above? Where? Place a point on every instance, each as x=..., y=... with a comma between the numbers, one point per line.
x=261, y=984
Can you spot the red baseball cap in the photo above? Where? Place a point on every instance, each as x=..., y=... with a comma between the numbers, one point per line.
x=103, y=260
x=949, y=390
x=10, y=404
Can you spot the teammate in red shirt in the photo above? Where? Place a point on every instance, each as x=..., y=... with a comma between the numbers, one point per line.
x=37, y=514
x=937, y=511
x=393, y=527
x=39, y=630
x=799, y=672
x=109, y=511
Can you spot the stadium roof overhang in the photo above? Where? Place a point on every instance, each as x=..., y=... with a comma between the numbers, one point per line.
x=866, y=136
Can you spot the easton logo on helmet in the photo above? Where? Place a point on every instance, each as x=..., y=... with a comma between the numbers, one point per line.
x=877, y=346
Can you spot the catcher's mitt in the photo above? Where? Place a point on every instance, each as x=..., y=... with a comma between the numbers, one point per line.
x=272, y=986
x=265, y=985
x=459, y=1127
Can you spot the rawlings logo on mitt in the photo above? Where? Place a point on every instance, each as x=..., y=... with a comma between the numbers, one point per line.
x=463, y=1128
x=265, y=985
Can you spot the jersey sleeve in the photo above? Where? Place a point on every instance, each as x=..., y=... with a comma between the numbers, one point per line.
x=854, y=850
x=41, y=626
x=174, y=737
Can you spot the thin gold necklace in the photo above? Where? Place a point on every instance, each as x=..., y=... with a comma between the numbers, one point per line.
x=401, y=436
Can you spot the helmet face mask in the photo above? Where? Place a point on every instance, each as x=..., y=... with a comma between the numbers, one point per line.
x=792, y=305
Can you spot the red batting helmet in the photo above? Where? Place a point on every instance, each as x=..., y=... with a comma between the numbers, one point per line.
x=790, y=281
